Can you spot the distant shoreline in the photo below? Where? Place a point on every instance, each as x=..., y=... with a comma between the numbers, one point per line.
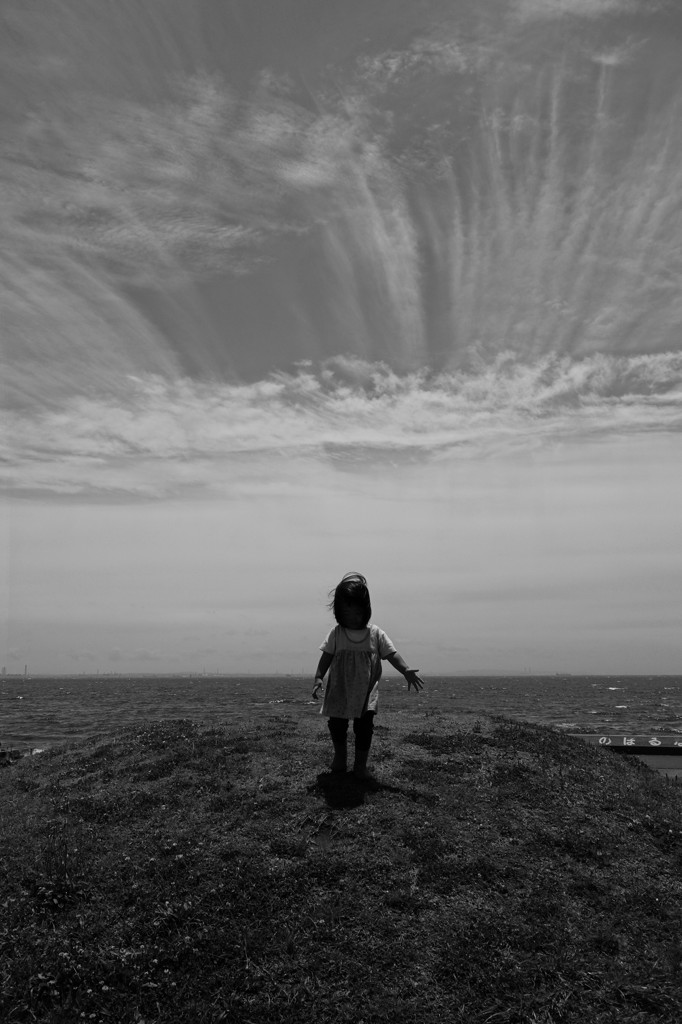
x=304, y=675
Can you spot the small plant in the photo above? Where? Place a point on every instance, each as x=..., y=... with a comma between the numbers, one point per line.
x=58, y=856
x=56, y=881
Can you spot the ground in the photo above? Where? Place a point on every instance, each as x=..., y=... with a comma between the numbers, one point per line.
x=492, y=871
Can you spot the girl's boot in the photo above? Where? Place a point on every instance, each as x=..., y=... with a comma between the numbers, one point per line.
x=340, y=755
x=360, y=766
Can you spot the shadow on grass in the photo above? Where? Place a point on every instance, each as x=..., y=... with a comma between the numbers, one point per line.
x=345, y=790
x=341, y=790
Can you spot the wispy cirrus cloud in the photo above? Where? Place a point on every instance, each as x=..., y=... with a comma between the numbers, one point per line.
x=533, y=9
x=524, y=242
x=151, y=191
x=193, y=185
x=424, y=56
x=117, y=194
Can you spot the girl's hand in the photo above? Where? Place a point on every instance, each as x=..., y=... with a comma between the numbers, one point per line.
x=414, y=680
x=316, y=689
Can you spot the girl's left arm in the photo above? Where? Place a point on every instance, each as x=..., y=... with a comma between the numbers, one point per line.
x=413, y=679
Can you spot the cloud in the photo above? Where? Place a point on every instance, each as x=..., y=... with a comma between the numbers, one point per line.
x=617, y=56
x=534, y=9
x=423, y=56
x=517, y=219
x=113, y=194
x=550, y=236
x=164, y=438
x=65, y=330
x=187, y=187
x=150, y=192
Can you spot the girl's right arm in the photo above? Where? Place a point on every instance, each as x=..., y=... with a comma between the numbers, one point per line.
x=322, y=666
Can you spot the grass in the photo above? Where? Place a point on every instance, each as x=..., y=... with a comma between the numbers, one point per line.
x=496, y=873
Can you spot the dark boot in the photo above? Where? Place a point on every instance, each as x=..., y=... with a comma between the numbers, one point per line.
x=360, y=766
x=340, y=761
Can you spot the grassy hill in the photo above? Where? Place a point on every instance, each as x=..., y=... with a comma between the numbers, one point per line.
x=495, y=873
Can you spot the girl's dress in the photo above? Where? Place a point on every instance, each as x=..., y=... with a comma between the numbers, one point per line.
x=355, y=671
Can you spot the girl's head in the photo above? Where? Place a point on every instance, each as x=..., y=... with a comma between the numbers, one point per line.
x=351, y=604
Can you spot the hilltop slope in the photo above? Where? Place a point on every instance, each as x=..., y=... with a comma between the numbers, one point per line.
x=496, y=872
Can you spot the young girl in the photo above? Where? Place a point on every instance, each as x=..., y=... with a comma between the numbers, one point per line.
x=353, y=651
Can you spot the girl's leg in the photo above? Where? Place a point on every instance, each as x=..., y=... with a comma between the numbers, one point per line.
x=338, y=728
x=363, y=728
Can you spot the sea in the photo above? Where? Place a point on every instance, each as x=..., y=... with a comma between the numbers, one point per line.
x=41, y=712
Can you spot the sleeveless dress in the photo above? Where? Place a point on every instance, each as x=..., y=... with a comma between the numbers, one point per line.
x=354, y=674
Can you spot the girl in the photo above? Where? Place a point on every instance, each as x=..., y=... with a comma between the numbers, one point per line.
x=353, y=651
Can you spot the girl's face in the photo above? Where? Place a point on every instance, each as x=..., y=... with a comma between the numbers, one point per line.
x=352, y=615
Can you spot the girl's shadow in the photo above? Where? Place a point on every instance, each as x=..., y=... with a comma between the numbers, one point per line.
x=342, y=789
x=345, y=790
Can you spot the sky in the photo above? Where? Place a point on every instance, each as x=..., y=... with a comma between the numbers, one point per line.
x=296, y=288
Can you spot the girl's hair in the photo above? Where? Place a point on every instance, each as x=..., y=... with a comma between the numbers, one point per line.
x=351, y=590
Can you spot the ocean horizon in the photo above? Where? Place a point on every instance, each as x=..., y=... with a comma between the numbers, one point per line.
x=44, y=711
